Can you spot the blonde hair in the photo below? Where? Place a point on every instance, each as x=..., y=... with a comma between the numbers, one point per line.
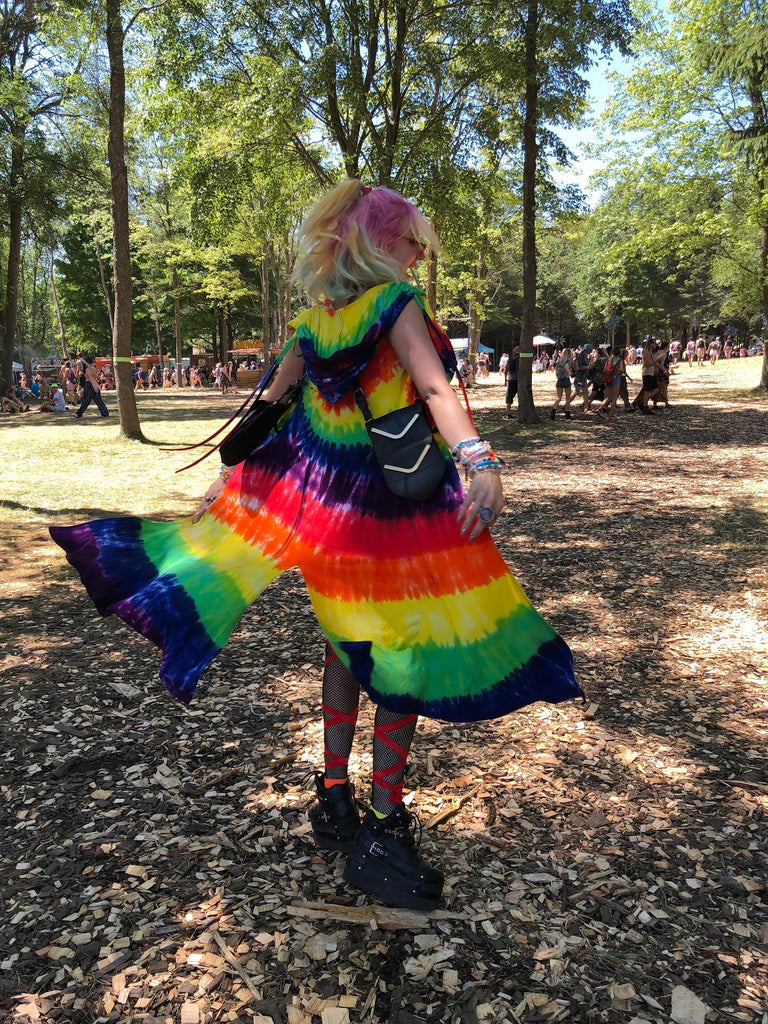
x=348, y=240
x=565, y=357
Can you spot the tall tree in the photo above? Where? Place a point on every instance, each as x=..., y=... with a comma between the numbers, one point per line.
x=121, y=250
x=35, y=82
x=558, y=42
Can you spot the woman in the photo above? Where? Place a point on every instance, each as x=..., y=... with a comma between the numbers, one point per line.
x=661, y=360
x=649, y=389
x=562, y=384
x=417, y=605
x=11, y=403
x=701, y=349
x=91, y=391
x=613, y=371
x=625, y=379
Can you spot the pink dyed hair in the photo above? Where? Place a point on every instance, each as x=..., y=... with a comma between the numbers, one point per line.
x=348, y=240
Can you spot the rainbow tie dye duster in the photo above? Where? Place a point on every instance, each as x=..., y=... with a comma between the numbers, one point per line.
x=425, y=620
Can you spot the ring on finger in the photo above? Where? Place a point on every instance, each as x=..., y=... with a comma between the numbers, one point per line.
x=486, y=515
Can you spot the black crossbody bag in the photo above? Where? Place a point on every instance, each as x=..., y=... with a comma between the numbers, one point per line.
x=405, y=449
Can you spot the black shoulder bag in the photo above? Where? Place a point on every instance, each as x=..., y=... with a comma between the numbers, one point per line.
x=405, y=449
x=257, y=418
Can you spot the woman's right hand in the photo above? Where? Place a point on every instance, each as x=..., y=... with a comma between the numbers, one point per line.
x=486, y=496
x=208, y=499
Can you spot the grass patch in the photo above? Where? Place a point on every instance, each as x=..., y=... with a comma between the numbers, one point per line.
x=84, y=468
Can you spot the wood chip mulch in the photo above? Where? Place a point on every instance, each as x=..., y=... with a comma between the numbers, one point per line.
x=604, y=862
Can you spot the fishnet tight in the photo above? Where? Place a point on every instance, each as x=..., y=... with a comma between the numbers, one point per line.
x=341, y=700
x=392, y=735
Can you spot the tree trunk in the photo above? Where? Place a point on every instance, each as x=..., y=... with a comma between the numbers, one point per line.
x=159, y=337
x=265, y=325
x=121, y=332
x=55, y=294
x=222, y=332
x=281, y=332
x=14, y=200
x=526, y=412
x=177, y=328
x=432, y=283
x=764, y=293
x=473, y=313
x=224, y=335
x=104, y=289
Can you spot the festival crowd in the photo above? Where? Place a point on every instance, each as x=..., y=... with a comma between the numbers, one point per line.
x=79, y=383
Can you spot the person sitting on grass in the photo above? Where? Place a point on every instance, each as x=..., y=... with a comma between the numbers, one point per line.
x=55, y=401
x=12, y=404
x=22, y=390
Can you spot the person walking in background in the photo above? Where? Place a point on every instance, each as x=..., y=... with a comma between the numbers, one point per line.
x=701, y=350
x=596, y=390
x=612, y=374
x=513, y=368
x=503, y=365
x=661, y=361
x=649, y=389
x=581, y=364
x=563, y=368
x=625, y=381
x=91, y=390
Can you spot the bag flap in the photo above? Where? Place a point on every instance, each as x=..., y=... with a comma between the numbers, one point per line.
x=412, y=468
x=396, y=435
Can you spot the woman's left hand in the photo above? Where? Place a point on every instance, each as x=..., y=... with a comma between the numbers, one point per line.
x=482, y=505
x=208, y=499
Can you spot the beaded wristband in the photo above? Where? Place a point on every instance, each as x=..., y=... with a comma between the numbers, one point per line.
x=225, y=472
x=486, y=466
x=476, y=456
x=468, y=442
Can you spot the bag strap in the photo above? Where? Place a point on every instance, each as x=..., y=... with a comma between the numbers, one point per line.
x=362, y=403
x=255, y=395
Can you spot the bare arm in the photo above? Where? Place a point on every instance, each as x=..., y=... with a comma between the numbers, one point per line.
x=291, y=369
x=414, y=349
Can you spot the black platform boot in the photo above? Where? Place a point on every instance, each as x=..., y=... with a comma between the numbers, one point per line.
x=384, y=861
x=334, y=815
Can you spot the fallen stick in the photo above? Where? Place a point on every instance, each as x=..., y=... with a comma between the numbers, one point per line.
x=387, y=918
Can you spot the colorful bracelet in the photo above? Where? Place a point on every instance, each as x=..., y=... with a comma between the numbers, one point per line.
x=225, y=472
x=476, y=456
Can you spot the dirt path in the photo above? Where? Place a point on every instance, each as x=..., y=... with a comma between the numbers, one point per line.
x=604, y=862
